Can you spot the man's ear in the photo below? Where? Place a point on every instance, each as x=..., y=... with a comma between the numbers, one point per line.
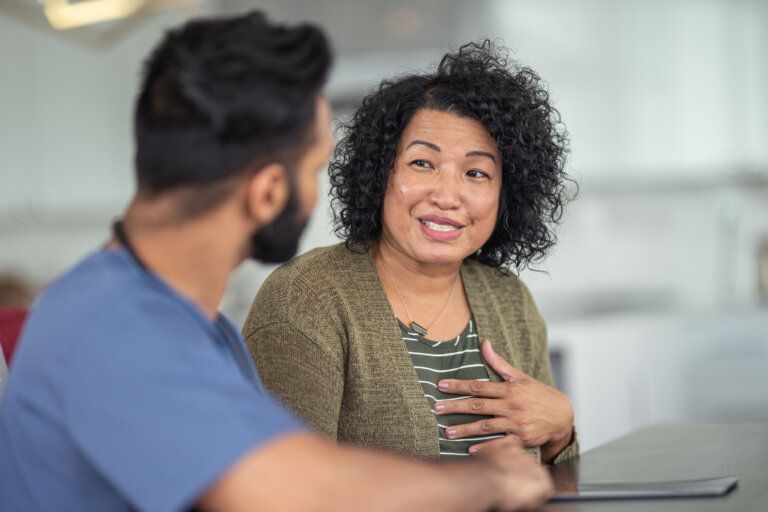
x=267, y=193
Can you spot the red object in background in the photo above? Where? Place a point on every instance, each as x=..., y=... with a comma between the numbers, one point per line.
x=11, y=322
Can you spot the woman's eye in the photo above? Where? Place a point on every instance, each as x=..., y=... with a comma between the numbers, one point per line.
x=474, y=173
x=421, y=163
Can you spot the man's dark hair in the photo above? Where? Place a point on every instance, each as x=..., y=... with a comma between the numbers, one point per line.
x=512, y=104
x=221, y=96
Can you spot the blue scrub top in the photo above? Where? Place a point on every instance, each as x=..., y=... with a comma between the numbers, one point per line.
x=124, y=396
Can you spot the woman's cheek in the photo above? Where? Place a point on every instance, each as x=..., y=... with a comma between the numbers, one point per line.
x=484, y=206
x=485, y=211
x=412, y=191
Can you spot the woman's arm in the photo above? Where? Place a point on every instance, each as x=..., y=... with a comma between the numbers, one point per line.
x=300, y=373
x=293, y=336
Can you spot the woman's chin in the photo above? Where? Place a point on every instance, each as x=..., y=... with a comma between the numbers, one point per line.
x=442, y=257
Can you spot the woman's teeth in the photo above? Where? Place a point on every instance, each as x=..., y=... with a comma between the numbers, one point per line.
x=438, y=227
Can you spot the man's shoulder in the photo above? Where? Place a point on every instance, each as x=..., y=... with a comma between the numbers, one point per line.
x=99, y=325
x=105, y=297
x=97, y=281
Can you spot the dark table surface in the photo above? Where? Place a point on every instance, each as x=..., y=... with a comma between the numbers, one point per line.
x=676, y=452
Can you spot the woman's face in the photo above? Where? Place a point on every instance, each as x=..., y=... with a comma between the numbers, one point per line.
x=443, y=192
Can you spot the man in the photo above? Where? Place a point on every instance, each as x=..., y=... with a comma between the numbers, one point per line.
x=129, y=390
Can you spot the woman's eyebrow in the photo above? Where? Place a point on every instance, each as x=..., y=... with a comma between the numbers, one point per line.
x=437, y=148
x=482, y=153
x=425, y=143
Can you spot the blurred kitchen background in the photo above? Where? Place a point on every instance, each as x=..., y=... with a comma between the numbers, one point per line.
x=657, y=294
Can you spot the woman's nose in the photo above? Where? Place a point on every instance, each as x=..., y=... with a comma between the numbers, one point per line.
x=447, y=192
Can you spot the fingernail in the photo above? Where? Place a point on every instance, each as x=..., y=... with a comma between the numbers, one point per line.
x=451, y=432
x=473, y=449
x=442, y=386
x=439, y=407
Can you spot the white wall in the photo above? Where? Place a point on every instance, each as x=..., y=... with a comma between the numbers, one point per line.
x=667, y=107
x=651, y=87
x=65, y=140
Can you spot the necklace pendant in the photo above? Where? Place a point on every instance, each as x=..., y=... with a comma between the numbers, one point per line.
x=418, y=329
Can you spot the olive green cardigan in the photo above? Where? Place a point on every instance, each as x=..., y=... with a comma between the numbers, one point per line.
x=325, y=340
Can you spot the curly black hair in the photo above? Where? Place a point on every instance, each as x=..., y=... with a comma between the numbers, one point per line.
x=512, y=104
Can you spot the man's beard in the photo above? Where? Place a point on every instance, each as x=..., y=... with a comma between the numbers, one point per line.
x=278, y=241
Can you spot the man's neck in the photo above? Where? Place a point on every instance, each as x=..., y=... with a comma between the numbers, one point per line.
x=194, y=257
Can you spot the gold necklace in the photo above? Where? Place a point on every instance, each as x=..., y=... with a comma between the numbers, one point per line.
x=421, y=331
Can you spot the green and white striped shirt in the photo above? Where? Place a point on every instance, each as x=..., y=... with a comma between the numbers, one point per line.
x=453, y=359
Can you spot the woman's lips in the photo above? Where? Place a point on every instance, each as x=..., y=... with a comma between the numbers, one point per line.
x=440, y=228
x=443, y=221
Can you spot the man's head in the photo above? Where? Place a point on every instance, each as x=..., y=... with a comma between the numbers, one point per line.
x=226, y=100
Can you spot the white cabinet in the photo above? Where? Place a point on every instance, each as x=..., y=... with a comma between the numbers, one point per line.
x=624, y=372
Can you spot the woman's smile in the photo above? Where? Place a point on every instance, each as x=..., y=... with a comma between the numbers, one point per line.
x=440, y=228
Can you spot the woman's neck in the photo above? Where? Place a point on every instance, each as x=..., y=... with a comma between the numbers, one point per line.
x=412, y=276
x=432, y=296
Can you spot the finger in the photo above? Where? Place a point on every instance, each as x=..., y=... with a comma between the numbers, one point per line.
x=507, y=372
x=480, y=428
x=472, y=387
x=510, y=440
x=468, y=406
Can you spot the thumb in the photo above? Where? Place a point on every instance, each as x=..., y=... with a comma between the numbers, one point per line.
x=504, y=369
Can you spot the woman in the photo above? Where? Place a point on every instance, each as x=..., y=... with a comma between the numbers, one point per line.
x=442, y=181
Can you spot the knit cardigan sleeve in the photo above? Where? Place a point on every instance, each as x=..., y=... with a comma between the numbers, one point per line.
x=541, y=368
x=294, y=360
